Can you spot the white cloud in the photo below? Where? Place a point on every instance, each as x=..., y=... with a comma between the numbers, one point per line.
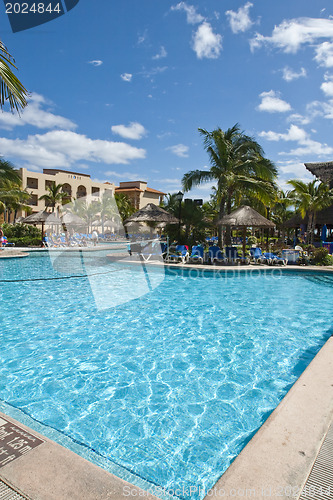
x=327, y=85
x=60, y=148
x=134, y=131
x=206, y=43
x=240, y=20
x=125, y=175
x=34, y=115
x=161, y=54
x=271, y=102
x=297, y=118
x=127, y=77
x=324, y=54
x=288, y=74
x=307, y=146
x=192, y=17
x=291, y=34
x=179, y=150
x=97, y=62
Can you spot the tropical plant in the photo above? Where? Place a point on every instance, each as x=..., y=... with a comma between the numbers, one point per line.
x=309, y=198
x=54, y=196
x=280, y=211
x=12, y=198
x=124, y=205
x=237, y=166
x=107, y=208
x=11, y=89
x=8, y=172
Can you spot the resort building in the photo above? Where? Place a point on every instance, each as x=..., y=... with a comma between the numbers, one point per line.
x=139, y=193
x=76, y=185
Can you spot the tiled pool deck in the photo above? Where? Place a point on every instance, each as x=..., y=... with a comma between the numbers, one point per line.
x=275, y=463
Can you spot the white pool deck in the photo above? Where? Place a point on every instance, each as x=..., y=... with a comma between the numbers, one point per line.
x=274, y=464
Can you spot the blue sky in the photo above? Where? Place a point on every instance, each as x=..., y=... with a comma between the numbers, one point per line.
x=119, y=89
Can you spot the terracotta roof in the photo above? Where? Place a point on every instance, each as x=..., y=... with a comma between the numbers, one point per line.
x=123, y=190
x=151, y=190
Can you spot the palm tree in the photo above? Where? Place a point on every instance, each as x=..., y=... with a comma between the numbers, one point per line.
x=54, y=195
x=107, y=208
x=280, y=212
x=12, y=198
x=237, y=166
x=11, y=89
x=8, y=173
x=309, y=199
x=125, y=206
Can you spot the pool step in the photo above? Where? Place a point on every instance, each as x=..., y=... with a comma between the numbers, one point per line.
x=321, y=280
x=8, y=493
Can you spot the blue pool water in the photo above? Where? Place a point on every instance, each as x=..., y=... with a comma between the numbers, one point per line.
x=169, y=384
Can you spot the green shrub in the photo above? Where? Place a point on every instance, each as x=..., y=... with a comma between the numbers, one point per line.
x=252, y=240
x=25, y=241
x=321, y=257
x=21, y=231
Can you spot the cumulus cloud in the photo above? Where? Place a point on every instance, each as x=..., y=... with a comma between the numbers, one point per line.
x=288, y=74
x=206, y=43
x=291, y=34
x=125, y=175
x=306, y=145
x=179, y=150
x=327, y=85
x=161, y=54
x=134, y=131
x=97, y=62
x=60, y=148
x=126, y=77
x=271, y=102
x=324, y=54
x=34, y=115
x=240, y=20
x=192, y=17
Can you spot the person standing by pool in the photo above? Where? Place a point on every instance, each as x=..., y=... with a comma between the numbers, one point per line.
x=94, y=237
x=1, y=236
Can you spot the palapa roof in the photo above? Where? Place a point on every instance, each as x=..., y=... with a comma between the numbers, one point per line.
x=42, y=217
x=152, y=213
x=323, y=171
x=245, y=216
x=323, y=217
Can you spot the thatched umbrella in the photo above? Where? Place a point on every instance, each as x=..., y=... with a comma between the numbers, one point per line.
x=72, y=219
x=245, y=217
x=43, y=217
x=152, y=213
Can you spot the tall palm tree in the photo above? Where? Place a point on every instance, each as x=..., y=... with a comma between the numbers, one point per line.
x=107, y=208
x=54, y=195
x=125, y=206
x=309, y=199
x=11, y=89
x=237, y=166
x=8, y=173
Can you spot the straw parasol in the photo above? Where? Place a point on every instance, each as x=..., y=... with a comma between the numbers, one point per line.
x=244, y=217
x=152, y=213
x=72, y=219
x=43, y=217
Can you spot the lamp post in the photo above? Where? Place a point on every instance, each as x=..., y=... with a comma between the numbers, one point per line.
x=179, y=197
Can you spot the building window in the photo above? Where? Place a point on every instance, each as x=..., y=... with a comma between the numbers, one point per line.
x=32, y=183
x=95, y=191
x=81, y=191
x=49, y=184
x=33, y=200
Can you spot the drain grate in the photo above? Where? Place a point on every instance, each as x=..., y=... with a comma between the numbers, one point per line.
x=319, y=485
x=7, y=493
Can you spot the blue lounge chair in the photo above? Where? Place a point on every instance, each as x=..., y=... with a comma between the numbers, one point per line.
x=178, y=254
x=258, y=257
x=275, y=259
x=215, y=255
x=197, y=254
x=232, y=256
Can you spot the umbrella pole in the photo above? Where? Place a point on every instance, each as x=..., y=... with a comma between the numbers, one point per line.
x=42, y=233
x=244, y=241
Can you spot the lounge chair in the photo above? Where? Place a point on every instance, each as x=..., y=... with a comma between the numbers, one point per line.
x=232, y=256
x=258, y=257
x=275, y=259
x=178, y=254
x=215, y=255
x=197, y=254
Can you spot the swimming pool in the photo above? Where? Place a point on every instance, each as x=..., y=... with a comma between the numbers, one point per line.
x=170, y=385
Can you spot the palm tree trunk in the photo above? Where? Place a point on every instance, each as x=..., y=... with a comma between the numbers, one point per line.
x=219, y=228
x=228, y=229
x=310, y=228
